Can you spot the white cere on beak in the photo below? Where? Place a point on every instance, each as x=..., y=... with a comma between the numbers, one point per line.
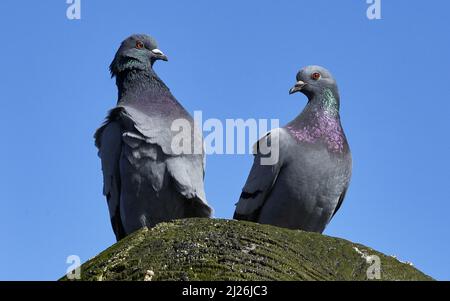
x=157, y=51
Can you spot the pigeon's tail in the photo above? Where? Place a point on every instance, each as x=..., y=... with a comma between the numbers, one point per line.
x=118, y=229
x=253, y=217
x=250, y=217
x=239, y=217
x=197, y=208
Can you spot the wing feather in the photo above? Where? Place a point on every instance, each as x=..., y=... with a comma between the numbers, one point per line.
x=260, y=180
x=109, y=142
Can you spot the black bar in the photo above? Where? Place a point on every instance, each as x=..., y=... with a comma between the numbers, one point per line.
x=225, y=290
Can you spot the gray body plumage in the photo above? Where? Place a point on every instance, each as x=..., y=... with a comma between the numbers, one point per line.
x=307, y=185
x=145, y=181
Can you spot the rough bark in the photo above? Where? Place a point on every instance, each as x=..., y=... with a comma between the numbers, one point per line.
x=211, y=249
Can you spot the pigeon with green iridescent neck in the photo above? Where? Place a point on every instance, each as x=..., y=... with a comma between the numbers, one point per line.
x=145, y=180
x=306, y=186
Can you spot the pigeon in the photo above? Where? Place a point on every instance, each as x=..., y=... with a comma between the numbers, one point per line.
x=145, y=180
x=306, y=186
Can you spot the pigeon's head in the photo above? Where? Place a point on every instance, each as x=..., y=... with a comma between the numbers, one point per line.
x=313, y=80
x=137, y=52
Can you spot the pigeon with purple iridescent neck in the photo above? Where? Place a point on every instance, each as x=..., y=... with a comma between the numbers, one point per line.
x=307, y=184
x=144, y=180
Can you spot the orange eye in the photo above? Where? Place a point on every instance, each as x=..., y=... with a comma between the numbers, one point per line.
x=315, y=76
x=139, y=45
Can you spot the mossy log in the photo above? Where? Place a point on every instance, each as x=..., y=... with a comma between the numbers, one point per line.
x=211, y=249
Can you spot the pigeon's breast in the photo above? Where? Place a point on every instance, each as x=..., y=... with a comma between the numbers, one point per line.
x=315, y=170
x=309, y=186
x=323, y=129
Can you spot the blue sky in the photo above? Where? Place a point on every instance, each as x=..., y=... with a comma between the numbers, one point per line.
x=230, y=59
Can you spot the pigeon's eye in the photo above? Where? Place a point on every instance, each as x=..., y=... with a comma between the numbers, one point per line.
x=139, y=45
x=315, y=76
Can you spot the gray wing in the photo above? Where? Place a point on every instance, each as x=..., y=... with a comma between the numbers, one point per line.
x=109, y=142
x=347, y=174
x=157, y=128
x=185, y=173
x=339, y=204
x=260, y=181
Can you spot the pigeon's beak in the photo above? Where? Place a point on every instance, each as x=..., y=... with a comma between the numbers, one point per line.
x=298, y=87
x=159, y=55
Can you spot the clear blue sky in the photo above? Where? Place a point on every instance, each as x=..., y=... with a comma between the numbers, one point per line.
x=230, y=59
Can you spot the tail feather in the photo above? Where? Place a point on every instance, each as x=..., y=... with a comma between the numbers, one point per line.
x=253, y=217
x=196, y=208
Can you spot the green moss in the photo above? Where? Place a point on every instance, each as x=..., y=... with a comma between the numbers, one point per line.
x=207, y=249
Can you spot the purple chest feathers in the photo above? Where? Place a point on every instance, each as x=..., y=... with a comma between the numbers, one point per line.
x=323, y=127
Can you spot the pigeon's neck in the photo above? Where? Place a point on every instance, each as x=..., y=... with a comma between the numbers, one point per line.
x=135, y=83
x=325, y=103
x=320, y=121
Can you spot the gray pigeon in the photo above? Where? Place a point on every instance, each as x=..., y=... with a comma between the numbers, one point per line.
x=306, y=186
x=145, y=181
